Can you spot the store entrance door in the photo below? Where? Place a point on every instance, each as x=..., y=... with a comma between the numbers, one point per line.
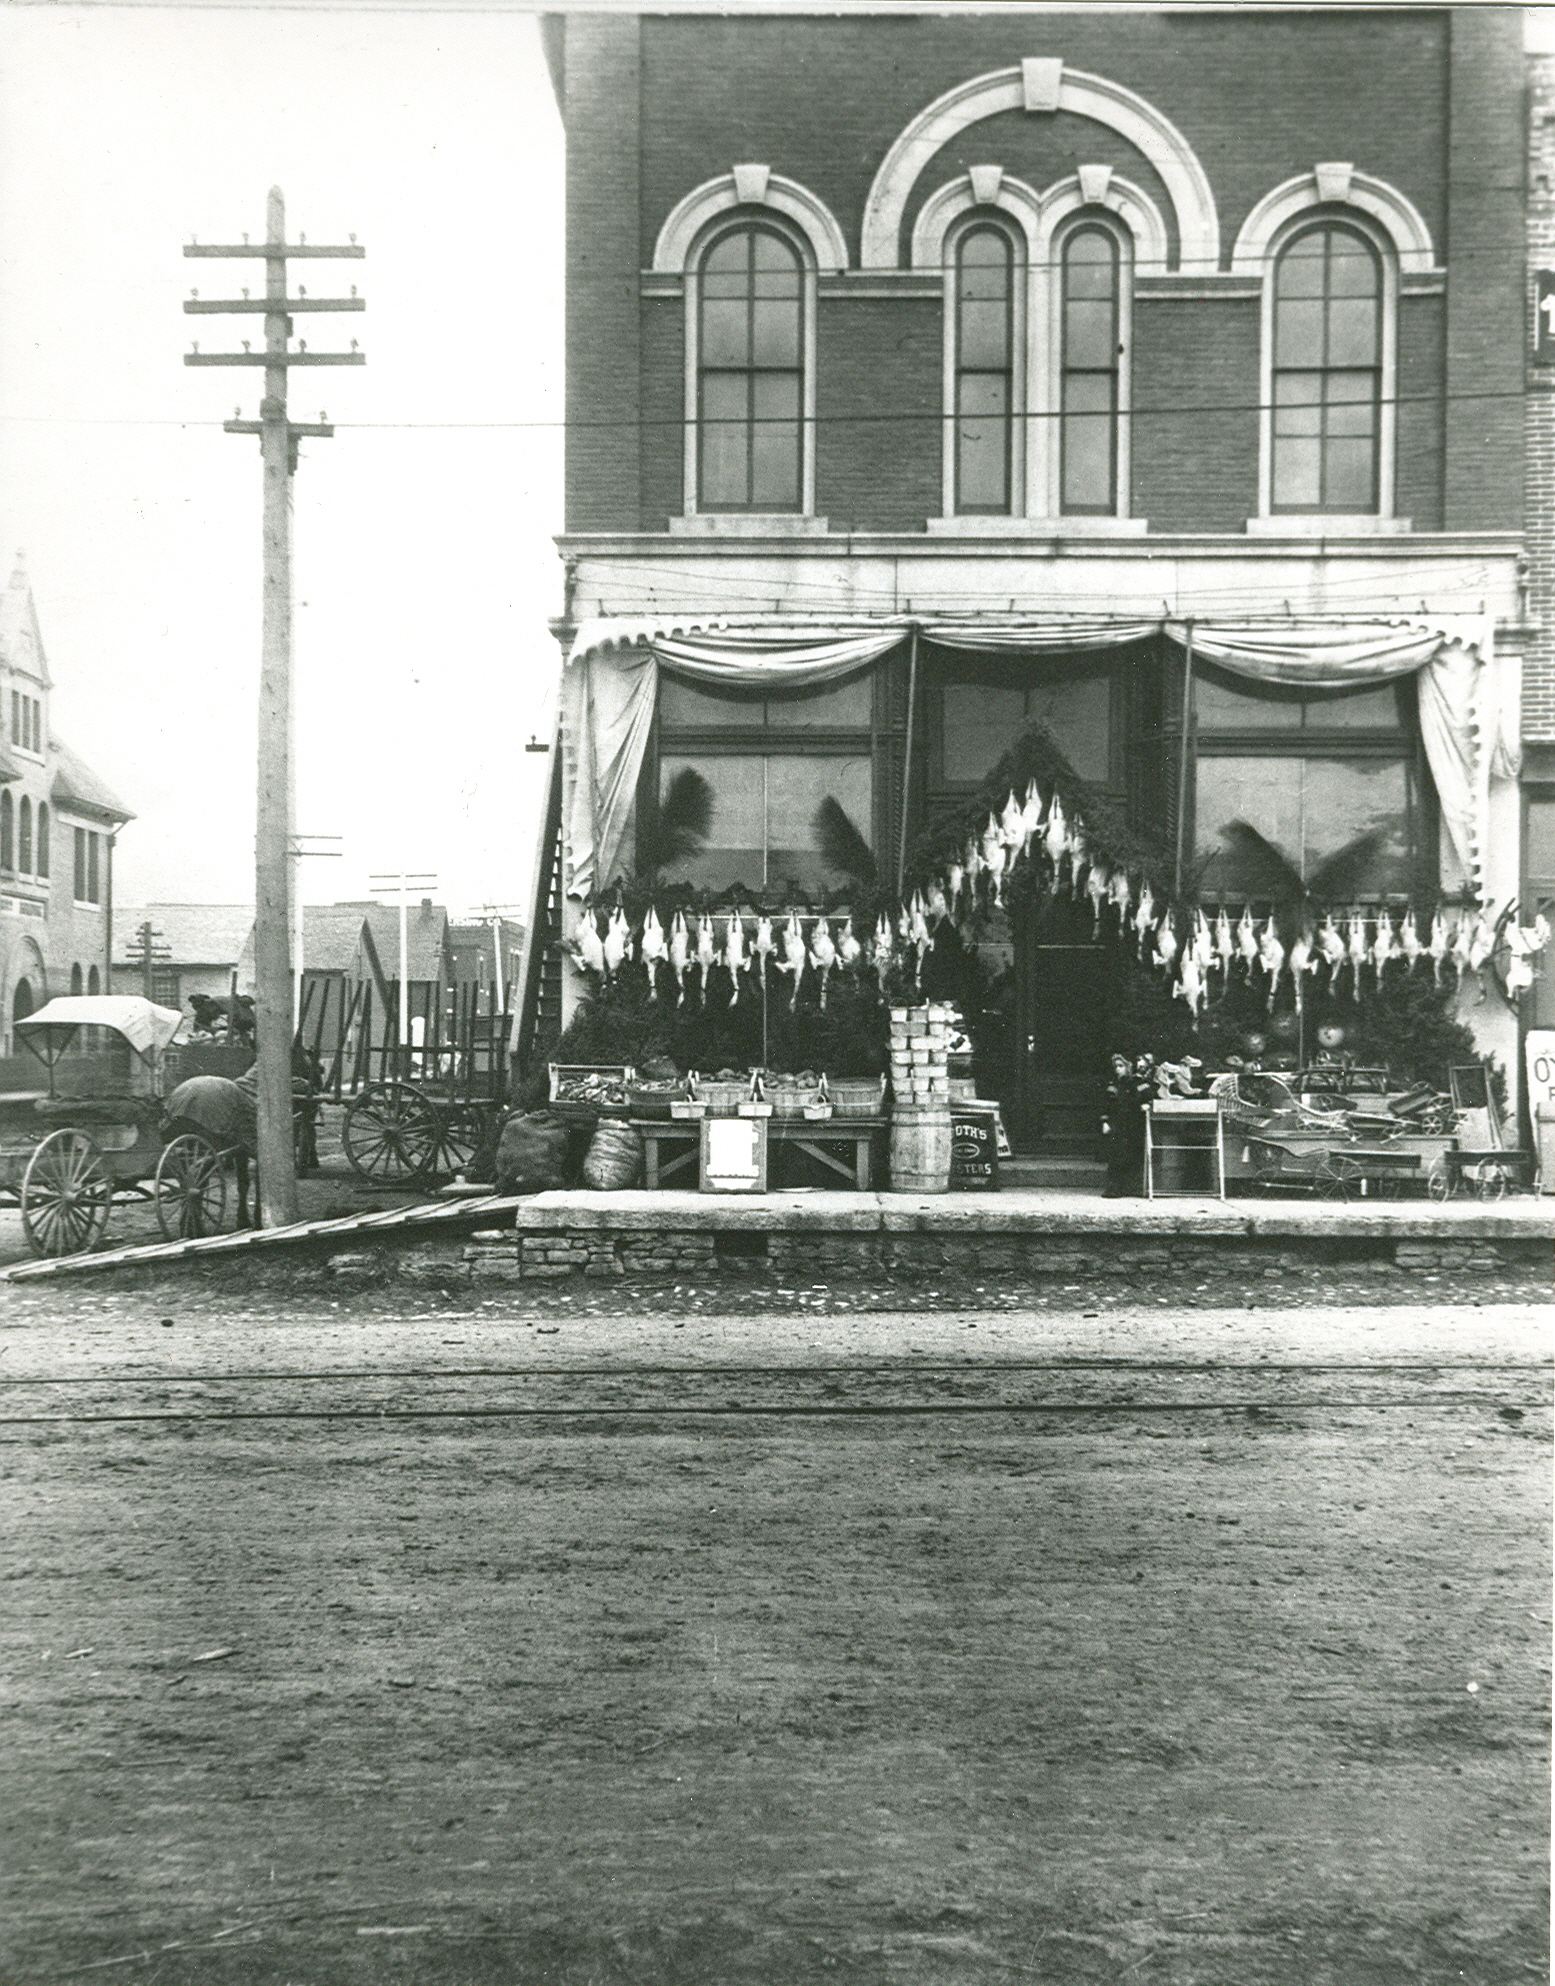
x=1061, y=1030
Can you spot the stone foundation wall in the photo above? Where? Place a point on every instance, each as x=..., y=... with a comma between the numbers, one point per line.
x=786, y=1257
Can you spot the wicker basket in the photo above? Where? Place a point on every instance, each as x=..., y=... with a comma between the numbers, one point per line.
x=856, y=1096
x=723, y=1099
x=790, y=1099
x=654, y=1101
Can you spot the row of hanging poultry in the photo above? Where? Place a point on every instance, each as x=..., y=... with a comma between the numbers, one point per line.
x=1181, y=941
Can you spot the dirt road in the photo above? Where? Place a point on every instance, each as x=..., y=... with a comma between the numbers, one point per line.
x=493, y=1646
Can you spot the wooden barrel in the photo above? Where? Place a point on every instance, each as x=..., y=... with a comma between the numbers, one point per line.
x=920, y=1148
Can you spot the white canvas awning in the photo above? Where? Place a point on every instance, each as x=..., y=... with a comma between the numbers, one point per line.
x=610, y=688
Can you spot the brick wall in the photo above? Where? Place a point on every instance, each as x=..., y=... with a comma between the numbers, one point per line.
x=1195, y=471
x=657, y=105
x=1539, y=481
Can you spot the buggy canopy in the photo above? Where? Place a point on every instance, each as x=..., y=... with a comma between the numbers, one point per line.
x=146, y=1027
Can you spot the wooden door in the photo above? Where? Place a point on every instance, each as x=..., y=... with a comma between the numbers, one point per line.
x=1062, y=1009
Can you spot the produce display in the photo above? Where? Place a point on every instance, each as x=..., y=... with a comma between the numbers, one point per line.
x=599, y=1089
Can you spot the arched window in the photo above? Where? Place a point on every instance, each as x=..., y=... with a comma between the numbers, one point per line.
x=75, y=980
x=21, y=1000
x=94, y=982
x=1088, y=373
x=985, y=371
x=24, y=836
x=7, y=832
x=43, y=837
x=750, y=383
x=1327, y=372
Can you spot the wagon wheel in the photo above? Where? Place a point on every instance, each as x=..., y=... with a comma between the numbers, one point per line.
x=460, y=1136
x=190, y=1189
x=1439, y=1181
x=1336, y=1176
x=391, y=1133
x=66, y=1193
x=1488, y=1180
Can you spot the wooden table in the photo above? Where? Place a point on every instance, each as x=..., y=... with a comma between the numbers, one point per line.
x=683, y=1137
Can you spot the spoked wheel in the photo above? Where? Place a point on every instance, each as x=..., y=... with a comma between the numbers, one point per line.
x=391, y=1134
x=190, y=1189
x=1338, y=1178
x=1438, y=1182
x=66, y=1194
x=1488, y=1181
x=461, y=1134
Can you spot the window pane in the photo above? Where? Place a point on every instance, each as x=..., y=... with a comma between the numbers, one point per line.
x=775, y=441
x=734, y=851
x=763, y=823
x=729, y=258
x=777, y=266
x=1352, y=331
x=1355, y=710
x=775, y=333
x=982, y=438
x=1298, y=469
x=1352, y=265
x=1089, y=338
x=1310, y=809
x=985, y=336
x=795, y=789
x=725, y=333
x=1301, y=266
x=1348, y=480
x=846, y=706
x=725, y=466
x=1541, y=844
x=1087, y=442
x=1298, y=403
x=1219, y=706
x=681, y=703
x=1090, y=263
x=1298, y=333
x=981, y=722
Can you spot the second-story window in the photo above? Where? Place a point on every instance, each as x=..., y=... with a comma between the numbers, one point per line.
x=1088, y=404
x=1327, y=379
x=43, y=837
x=985, y=378
x=24, y=836
x=7, y=832
x=750, y=374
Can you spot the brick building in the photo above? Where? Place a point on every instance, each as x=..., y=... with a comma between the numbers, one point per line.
x=58, y=826
x=1148, y=374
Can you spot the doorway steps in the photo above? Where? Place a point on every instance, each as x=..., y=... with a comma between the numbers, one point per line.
x=1058, y=1172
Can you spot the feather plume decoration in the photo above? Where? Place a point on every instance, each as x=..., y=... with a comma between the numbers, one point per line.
x=842, y=848
x=685, y=820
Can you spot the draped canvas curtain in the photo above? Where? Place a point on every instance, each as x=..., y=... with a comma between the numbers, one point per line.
x=610, y=687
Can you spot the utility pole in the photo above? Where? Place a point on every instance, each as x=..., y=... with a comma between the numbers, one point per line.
x=148, y=951
x=278, y=442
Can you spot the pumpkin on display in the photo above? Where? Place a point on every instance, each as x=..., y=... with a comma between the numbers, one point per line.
x=1330, y=1035
x=1254, y=1043
x=1283, y=1026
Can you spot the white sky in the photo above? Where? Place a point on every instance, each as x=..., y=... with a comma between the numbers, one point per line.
x=423, y=562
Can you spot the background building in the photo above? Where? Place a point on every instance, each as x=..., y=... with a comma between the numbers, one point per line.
x=58, y=825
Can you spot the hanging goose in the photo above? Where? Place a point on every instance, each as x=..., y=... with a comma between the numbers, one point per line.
x=1190, y=986
x=1144, y=917
x=1440, y=945
x=955, y=875
x=1247, y=939
x=994, y=857
x=1384, y=944
x=706, y=954
x=823, y=953
x=591, y=953
x=1302, y=961
x=794, y=957
x=734, y=953
x=1271, y=957
x=652, y=949
x=680, y=953
x=1203, y=942
x=884, y=952
x=1030, y=816
x=1098, y=879
x=1166, y=941
x=849, y=950
x=1355, y=949
x=1409, y=941
x=1120, y=895
x=1225, y=944
x=618, y=937
x=762, y=949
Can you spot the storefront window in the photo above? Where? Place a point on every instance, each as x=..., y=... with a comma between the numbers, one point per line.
x=844, y=705
x=1286, y=785
x=982, y=720
x=762, y=822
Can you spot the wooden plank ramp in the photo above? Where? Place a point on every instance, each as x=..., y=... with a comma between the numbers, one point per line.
x=428, y=1213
